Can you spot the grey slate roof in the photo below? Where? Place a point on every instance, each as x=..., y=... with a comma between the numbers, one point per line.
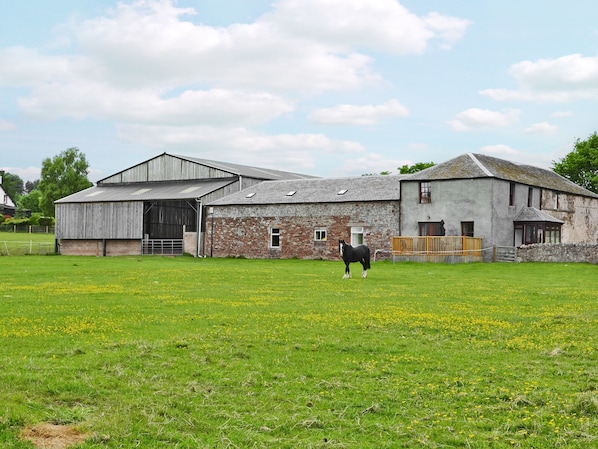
x=469, y=166
x=317, y=190
x=533, y=214
x=246, y=170
x=147, y=191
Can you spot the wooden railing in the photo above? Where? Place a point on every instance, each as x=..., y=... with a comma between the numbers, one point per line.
x=437, y=249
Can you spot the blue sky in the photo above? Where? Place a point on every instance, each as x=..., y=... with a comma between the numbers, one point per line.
x=323, y=87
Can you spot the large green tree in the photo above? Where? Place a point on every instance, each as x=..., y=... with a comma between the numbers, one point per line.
x=581, y=164
x=63, y=175
x=12, y=184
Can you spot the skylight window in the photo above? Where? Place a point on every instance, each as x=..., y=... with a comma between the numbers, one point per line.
x=250, y=195
x=140, y=191
x=342, y=192
x=291, y=193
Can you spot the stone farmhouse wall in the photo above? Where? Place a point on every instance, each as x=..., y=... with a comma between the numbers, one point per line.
x=558, y=253
x=244, y=231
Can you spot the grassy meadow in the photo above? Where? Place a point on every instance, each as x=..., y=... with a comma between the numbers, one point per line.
x=155, y=352
x=21, y=243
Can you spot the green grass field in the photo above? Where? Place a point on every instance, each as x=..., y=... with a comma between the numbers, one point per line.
x=221, y=353
x=21, y=243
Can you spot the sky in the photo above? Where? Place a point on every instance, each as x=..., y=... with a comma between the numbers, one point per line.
x=322, y=87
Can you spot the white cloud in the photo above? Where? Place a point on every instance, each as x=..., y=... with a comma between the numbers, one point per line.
x=475, y=118
x=6, y=126
x=240, y=144
x=561, y=80
x=543, y=128
x=216, y=106
x=359, y=115
x=382, y=24
x=26, y=174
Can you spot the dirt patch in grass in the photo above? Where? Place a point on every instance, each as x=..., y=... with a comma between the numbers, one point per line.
x=53, y=436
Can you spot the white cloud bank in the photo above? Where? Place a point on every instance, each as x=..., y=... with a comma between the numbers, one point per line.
x=559, y=80
x=154, y=70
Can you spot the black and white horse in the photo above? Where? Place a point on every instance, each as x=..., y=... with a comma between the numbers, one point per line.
x=350, y=254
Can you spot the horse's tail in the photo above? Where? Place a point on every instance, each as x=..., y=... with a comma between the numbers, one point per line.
x=367, y=258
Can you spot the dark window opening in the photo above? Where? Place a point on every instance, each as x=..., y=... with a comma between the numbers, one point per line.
x=467, y=228
x=431, y=228
x=512, y=194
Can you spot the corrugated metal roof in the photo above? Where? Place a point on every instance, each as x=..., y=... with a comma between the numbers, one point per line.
x=318, y=190
x=147, y=191
x=531, y=214
x=468, y=166
x=246, y=170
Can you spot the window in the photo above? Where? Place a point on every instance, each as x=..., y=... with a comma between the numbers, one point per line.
x=320, y=235
x=467, y=228
x=342, y=192
x=274, y=237
x=431, y=228
x=538, y=232
x=512, y=194
x=425, y=192
x=556, y=200
x=356, y=235
x=530, y=196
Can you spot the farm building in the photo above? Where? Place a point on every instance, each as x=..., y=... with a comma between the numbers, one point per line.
x=7, y=205
x=175, y=203
x=155, y=207
x=305, y=218
x=504, y=203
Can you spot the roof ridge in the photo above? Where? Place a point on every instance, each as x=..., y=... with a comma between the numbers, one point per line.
x=480, y=165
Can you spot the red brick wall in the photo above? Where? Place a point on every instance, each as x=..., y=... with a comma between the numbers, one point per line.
x=244, y=231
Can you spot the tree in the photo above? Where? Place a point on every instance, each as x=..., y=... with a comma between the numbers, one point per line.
x=419, y=166
x=12, y=185
x=61, y=176
x=31, y=201
x=581, y=164
x=30, y=186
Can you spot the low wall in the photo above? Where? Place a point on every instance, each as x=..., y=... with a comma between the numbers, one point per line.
x=96, y=247
x=558, y=252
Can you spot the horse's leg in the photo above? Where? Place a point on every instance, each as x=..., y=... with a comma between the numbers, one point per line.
x=347, y=271
x=364, y=274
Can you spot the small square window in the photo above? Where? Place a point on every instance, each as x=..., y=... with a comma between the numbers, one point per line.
x=320, y=235
x=291, y=193
x=342, y=192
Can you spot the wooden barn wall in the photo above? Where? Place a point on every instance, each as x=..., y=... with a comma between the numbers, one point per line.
x=166, y=168
x=123, y=220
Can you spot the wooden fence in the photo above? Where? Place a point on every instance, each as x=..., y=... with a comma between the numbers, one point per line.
x=444, y=249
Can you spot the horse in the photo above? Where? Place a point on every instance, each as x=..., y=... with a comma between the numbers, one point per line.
x=350, y=254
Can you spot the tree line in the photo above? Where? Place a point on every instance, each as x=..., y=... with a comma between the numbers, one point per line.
x=62, y=175
x=67, y=173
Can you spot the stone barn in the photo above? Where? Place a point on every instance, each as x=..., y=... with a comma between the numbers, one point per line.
x=304, y=218
x=155, y=207
x=502, y=202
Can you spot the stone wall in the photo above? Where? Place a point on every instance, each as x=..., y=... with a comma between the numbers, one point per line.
x=558, y=252
x=244, y=231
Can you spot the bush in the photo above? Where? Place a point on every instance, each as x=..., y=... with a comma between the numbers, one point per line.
x=46, y=221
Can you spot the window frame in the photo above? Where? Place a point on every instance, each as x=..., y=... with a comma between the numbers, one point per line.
x=425, y=192
x=430, y=228
x=320, y=235
x=275, y=240
x=356, y=232
x=465, y=231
